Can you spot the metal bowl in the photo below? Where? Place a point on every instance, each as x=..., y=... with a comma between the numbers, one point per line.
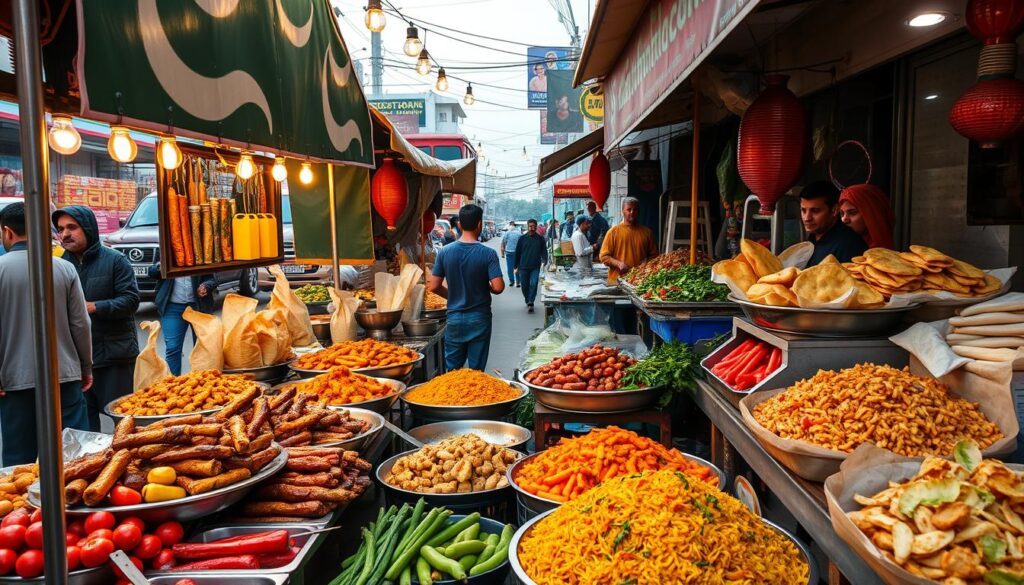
x=498, y=433
x=538, y=505
x=374, y=320
x=268, y=374
x=394, y=372
x=321, y=327
x=495, y=576
x=141, y=421
x=356, y=443
x=523, y=579
x=379, y=405
x=421, y=327
x=370, y=304
x=190, y=507
x=826, y=322
x=441, y=314
x=102, y=575
x=472, y=498
x=585, y=402
x=494, y=410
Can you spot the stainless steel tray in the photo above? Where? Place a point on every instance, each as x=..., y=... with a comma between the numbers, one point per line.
x=434, y=314
x=521, y=577
x=379, y=405
x=538, y=504
x=356, y=443
x=269, y=374
x=395, y=372
x=219, y=578
x=584, y=402
x=141, y=421
x=494, y=410
x=190, y=507
x=101, y=575
x=826, y=322
x=496, y=432
x=301, y=534
x=471, y=498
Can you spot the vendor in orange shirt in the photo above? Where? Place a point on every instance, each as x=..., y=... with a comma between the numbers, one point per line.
x=628, y=243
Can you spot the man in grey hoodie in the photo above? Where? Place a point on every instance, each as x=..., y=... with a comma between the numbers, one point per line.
x=17, y=352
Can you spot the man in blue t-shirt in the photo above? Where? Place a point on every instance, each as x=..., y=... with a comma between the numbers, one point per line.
x=473, y=273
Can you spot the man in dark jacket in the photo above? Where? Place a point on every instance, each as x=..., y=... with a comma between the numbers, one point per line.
x=531, y=254
x=112, y=297
x=173, y=296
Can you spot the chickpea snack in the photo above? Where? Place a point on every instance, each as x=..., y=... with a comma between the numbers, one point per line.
x=458, y=465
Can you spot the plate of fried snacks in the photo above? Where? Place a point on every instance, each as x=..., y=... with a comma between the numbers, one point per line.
x=203, y=391
x=813, y=425
x=949, y=521
x=341, y=387
x=366, y=356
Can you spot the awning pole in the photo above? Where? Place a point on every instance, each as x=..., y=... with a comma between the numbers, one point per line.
x=36, y=181
x=694, y=171
x=334, y=227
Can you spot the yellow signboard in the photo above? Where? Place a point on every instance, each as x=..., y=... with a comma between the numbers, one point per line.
x=591, y=105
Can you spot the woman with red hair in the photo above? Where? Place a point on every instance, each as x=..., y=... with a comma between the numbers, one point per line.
x=865, y=209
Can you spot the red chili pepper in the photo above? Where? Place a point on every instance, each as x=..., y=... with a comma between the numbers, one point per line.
x=221, y=564
x=272, y=561
x=774, y=360
x=737, y=351
x=242, y=537
x=750, y=362
x=729, y=375
x=274, y=541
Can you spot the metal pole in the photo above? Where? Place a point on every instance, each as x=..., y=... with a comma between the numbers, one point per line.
x=376, y=64
x=36, y=181
x=334, y=226
x=694, y=171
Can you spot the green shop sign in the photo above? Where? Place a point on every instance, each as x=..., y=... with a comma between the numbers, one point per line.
x=411, y=107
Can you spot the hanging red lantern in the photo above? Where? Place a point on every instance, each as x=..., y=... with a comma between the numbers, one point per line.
x=994, y=21
x=600, y=179
x=429, y=218
x=389, y=193
x=991, y=112
x=772, y=141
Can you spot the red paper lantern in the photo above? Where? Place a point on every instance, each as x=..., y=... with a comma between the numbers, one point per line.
x=389, y=193
x=990, y=112
x=994, y=21
x=600, y=179
x=772, y=141
x=428, y=222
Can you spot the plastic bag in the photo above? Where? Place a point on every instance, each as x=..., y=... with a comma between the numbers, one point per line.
x=150, y=368
x=208, y=351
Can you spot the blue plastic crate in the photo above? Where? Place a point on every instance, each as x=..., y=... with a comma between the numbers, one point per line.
x=691, y=330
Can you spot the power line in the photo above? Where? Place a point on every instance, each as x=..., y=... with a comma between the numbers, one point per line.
x=455, y=30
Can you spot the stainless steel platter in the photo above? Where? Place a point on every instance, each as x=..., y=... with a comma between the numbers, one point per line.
x=495, y=432
x=471, y=498
x=141, y=421
x=584, y=402
x=826, y=322
x=395, y=372
x=523, y=579
x=494, y=410
x=268, y=374
x=101, y=575
x=379, y=405
x=218, y=578
x=441, y=314
x=537, y=504
x=187, y=508
x=356, y=443
x=300, y=534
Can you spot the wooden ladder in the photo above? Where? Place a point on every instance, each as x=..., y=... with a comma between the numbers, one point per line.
x=679, y=214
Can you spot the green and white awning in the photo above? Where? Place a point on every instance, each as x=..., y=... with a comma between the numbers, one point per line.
x=268, y=75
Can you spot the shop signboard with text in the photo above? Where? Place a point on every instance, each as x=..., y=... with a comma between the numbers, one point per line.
x=400, y=109
x=671, y=39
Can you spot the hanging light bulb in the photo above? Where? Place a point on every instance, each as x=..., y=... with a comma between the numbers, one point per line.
x=120, y=146
x=169, y=154
x=246, y=168
x=413, y=44
x=306, y=174
x=469, y=100
x=279, y=171
x=442, y=80
x=423, y=66
x=375, y=19
x=63, y=137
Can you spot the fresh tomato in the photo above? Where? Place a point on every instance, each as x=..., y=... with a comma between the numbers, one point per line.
x=34, y=536
x=98, y=520
x=77, y=527
x=169, y=533
x=101, y=533
x=29, y=564
x=96, y=551
x=13, y=536
x=74, y=557
x=136, y=521
x=164, y=560
x=127, y=537
x=135, y=561
x=37, y=516
x=19, y=517
x=124, y=496
x=7, y=559
x=148, y=548
x=71, y=539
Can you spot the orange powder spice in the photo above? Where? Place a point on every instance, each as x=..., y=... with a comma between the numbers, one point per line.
x=463, y=387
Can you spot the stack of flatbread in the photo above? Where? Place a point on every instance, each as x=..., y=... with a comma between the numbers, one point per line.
x=921, y=269
x=990, y=331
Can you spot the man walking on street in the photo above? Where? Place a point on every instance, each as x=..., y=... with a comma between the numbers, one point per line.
x=508, y=250
x=112, y=296
x=17, y=352
x=473, y=272
x=628, y=243
x=531, y=254
x=598, y=226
